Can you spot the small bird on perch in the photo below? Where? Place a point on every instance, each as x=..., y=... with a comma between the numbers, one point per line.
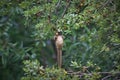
x=59, y=44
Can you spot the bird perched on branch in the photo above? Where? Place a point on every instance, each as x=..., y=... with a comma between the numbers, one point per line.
x=59, y=44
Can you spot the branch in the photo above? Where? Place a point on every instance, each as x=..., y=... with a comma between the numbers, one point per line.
x=106, y=77
x=109, y=73
x=105, y=3
x=57, y=5
x=102, y=73
x=66, y=8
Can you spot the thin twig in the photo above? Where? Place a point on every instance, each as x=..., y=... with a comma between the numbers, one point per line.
x=106, y=77
x=109, y=73
x=105, y=3
x=66, y=8
x=104, y=73
x=57, y=5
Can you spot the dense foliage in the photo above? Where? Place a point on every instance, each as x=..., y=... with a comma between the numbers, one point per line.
x=34, y=71
x=91, y=30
